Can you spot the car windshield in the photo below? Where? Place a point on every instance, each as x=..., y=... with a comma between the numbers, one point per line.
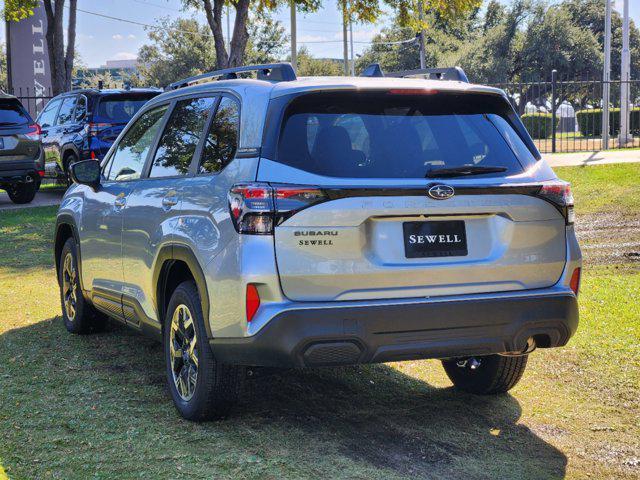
x=13, y=113
x=400, y=134
x=120, y=108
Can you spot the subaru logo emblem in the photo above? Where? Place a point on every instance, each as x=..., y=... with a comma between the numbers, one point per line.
x=441, y=192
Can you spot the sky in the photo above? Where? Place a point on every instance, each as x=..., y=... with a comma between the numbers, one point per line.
x=100, y=39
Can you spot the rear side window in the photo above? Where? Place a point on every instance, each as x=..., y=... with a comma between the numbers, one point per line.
x=65, y=114
x=81, y=108
x=130, y=154
x=181, y=137
x=13, y=113
x=48, y=116
x=396, y=135
x=222, y=139
x=119, y=108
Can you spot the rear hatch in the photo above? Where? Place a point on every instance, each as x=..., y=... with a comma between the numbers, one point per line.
x=410, y=194
x=19, y=135
x=112, y=113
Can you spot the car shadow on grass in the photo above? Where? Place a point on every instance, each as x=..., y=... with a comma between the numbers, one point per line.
x=79, y=406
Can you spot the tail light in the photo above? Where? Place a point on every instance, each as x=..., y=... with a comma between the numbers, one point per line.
x=574, y=283
x=252, y=301
x=41, y=173
x=96, y=128
x=559, y=194
x=34, y=132
x=256, y=208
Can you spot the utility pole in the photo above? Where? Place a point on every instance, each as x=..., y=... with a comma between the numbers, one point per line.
x=294, y=37
x=606, y=77
x=345, y=43
x=624, y=137
x=353, y=61
x=423, y=56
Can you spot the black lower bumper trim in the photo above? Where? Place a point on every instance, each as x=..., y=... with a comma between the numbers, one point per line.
x=384, y=333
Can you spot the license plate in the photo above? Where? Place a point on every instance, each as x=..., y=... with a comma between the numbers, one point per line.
x=435, y=239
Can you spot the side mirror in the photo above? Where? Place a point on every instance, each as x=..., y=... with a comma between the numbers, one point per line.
x=86, y=172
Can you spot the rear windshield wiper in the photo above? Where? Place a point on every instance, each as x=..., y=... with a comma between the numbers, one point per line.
x=462, y=171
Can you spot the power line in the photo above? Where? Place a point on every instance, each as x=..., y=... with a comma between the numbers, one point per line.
x=156, y=27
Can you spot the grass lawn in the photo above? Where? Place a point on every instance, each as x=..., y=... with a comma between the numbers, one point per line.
x=79, y=407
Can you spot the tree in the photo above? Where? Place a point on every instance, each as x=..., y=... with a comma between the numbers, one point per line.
x=60, y=61
x=240, y=37
x=310, y=67
x=16, y=10
x=3, y=67
x=182, y=48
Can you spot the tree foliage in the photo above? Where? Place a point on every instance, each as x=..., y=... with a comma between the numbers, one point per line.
x=16, y=10
x=308, y=66
x=182, y=48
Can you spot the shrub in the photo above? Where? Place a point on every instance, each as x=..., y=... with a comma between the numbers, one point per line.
x=539, y=125
x=590, y=121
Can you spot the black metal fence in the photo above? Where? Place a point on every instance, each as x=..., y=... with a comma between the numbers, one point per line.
x=564, y=115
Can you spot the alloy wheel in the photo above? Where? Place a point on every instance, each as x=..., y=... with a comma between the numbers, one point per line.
x=183, y=350
x=69, y=287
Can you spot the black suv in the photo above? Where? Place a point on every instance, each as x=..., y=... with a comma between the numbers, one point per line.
x=83, y=124
x=21, y=157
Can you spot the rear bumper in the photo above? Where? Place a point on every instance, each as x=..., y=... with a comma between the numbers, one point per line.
x=305, y=335
x=19, y=171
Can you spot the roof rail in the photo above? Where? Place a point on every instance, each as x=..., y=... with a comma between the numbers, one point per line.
x=274, y=72
x=450, y=73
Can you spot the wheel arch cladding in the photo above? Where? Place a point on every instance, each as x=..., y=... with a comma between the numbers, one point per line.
x=175, y=264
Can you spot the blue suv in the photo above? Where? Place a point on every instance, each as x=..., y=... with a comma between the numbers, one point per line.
x=83, y=124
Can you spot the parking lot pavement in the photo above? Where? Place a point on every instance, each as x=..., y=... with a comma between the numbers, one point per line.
x=44, y=197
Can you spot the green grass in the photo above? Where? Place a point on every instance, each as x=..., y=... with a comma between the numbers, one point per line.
x=613, y=188
x=79, y=407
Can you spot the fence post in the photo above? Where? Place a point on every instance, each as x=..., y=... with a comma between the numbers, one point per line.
x=554, y=79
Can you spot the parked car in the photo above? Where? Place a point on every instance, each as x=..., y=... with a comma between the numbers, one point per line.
x=82, y=124
x=324, y=221
x=21, y=155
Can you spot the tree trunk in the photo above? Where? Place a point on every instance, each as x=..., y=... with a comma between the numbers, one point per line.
x=214, y=19
x=240, y=34
x=71, y=44
x=60, y=63
x=213, y=11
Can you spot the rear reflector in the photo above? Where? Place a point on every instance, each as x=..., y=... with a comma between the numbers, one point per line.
x=253, y=301
x=574, y=284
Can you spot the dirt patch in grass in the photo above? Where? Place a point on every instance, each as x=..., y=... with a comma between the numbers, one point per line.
x=609, y=238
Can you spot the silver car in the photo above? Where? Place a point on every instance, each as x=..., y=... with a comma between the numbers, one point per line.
x=308, y=222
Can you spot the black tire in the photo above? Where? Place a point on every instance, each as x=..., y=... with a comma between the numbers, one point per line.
x=495, y=373
x=84, y=318
x=22, y=192
x=216, y=385
x=69, y=160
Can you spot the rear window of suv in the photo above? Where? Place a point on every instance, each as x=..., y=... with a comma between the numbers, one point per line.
x=119, y=108
x=13, y=113
x=400, y=134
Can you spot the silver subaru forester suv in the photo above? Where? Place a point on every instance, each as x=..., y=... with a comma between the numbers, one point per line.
x=284, y=222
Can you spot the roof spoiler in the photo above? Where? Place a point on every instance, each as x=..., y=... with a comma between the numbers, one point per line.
x=450, y=73
x=272, y=72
